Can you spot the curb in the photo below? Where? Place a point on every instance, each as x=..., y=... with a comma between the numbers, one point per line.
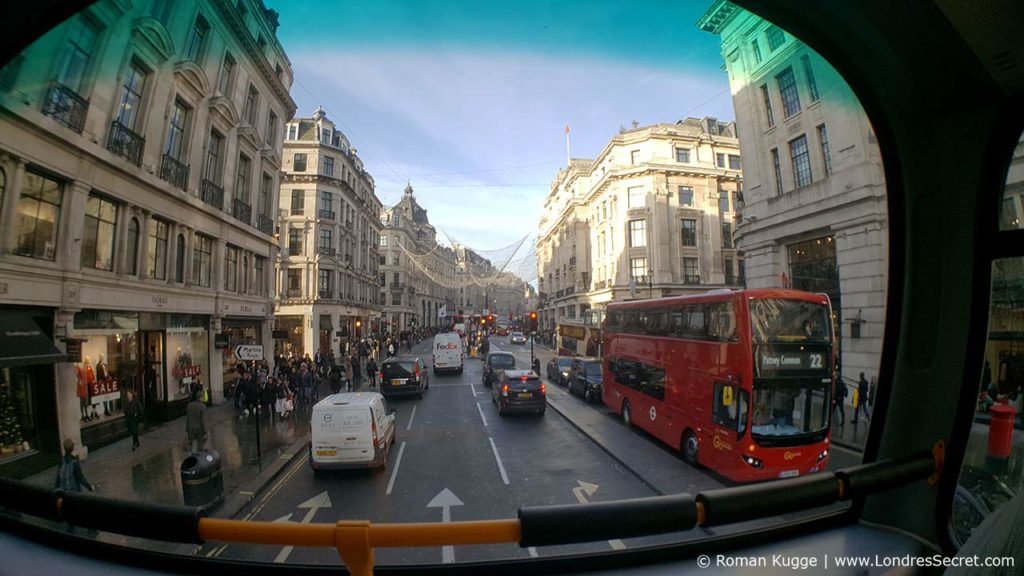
x=234, y=504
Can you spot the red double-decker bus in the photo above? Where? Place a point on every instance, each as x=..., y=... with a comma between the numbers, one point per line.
x=738, y=381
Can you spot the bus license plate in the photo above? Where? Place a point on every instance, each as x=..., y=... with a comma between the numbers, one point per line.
x=525, y=395
x=789, y=473
x=326, y=452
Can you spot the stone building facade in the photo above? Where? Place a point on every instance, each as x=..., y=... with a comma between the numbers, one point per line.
x=329, y=225
x=140, y=157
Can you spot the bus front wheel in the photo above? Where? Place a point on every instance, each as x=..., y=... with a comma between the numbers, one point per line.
x=690, y=448
x=627, y=416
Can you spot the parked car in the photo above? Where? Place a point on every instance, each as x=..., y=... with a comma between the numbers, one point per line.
x=494, y=362
x=351, y=430
x=558, y=369
x=585, y=378
x=404, y=376
x=517, y=338
x=520, y=391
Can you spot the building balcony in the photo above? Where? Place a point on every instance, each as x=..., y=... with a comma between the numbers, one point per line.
x=325, y=295
x=212, y=194
x=691, y=279
x=294, y=293
x=295, y=249
x=125, y=143
x=397, y=286
x=327, y=214
x=174, y=172
x=242, y=211
x=298, y=211
x=326, y=251
x=66, y=106
x=265, y=224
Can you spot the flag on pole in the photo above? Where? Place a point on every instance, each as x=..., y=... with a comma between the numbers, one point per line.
x=442, y=312
x=566, y=128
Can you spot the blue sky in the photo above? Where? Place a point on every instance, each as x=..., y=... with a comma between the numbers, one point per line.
x=468, y=100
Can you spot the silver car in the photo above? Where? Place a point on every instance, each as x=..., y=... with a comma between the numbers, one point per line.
x=517, y=338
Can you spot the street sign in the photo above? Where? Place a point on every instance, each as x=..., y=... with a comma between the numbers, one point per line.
x=249, y=352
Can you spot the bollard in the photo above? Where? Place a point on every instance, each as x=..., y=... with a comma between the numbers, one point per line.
x=1000, y=437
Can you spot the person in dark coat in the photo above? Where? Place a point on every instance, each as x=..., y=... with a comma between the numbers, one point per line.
x=133, y=417
x=195, y=423
x=371, y=372
x=862, y=399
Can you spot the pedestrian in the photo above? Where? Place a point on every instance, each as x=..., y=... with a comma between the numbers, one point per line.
x=349, y=374
x=335, y=377
x=70, y=477
x=840, y=400
x=862, y=399
x=305, y=384
x=195, y=423
x=371, y=373
x=133, y=417
x=536, y=366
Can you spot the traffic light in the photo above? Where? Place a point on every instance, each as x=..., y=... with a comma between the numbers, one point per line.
x=533, y=321
x=483, y=321
x=359, y=326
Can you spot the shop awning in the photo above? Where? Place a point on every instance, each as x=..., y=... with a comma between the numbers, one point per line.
x=22, y=342
x=325, y=323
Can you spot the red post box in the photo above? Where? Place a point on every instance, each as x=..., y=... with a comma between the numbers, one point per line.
x=1000, y=437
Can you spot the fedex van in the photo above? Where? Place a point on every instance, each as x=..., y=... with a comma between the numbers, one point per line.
x=351, y=430
x=448, y=352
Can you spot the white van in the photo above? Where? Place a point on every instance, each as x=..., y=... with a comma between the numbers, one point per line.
x=448, y=352
x=351, y=430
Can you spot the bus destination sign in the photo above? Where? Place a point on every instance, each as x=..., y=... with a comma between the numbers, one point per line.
x=792, y=360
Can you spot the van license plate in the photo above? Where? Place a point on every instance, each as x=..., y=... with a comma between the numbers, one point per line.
x=789, y=473
x=326, y=452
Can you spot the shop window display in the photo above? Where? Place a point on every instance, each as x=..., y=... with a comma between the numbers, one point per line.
x=17, y=424
x=188, y=354
x=107, y=367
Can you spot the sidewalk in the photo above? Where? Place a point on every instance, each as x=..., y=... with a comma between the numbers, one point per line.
x=152, y=473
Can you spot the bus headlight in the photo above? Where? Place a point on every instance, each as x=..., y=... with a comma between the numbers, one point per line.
x=823, y=455
x=756, y=463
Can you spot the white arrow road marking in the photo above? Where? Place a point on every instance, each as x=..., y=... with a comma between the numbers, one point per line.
x=581, y=493
x=321, y=500
x=411, y=416
x=394, y=473
x=445, y=500
x=481, y=411
x=501, y=468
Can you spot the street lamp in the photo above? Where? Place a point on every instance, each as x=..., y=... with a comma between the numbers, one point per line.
x=650, y=286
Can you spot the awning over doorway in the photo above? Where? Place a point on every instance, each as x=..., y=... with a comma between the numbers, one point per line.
x=22, y=342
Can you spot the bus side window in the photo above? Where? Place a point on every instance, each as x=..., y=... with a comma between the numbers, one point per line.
x=741, y=424
x=725, y=409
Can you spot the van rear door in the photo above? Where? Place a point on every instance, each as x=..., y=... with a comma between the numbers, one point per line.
x=355, y=442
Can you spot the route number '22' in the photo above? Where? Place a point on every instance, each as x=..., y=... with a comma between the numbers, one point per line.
x=815, y=360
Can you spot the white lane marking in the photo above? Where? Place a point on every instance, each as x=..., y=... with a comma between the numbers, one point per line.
x=482, y=417
x=321, y=500
x=533, y=552
x=473, y=388
x=445, y=500
x=501, y=468
x=617, y=544
x=411, y=416
x=394, y=473
x=582, y=492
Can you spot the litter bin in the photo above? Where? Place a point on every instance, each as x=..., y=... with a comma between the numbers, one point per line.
x=201, y=481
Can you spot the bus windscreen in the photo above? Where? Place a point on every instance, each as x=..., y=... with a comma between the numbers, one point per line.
x=778, y=320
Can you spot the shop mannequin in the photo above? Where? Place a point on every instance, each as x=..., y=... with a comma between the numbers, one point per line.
x=101, y=375
x=90, y=379
x=83, y=392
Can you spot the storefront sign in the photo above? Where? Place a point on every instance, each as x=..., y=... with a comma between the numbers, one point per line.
x=74, y=349
x=105, y=390
x=220, y=340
